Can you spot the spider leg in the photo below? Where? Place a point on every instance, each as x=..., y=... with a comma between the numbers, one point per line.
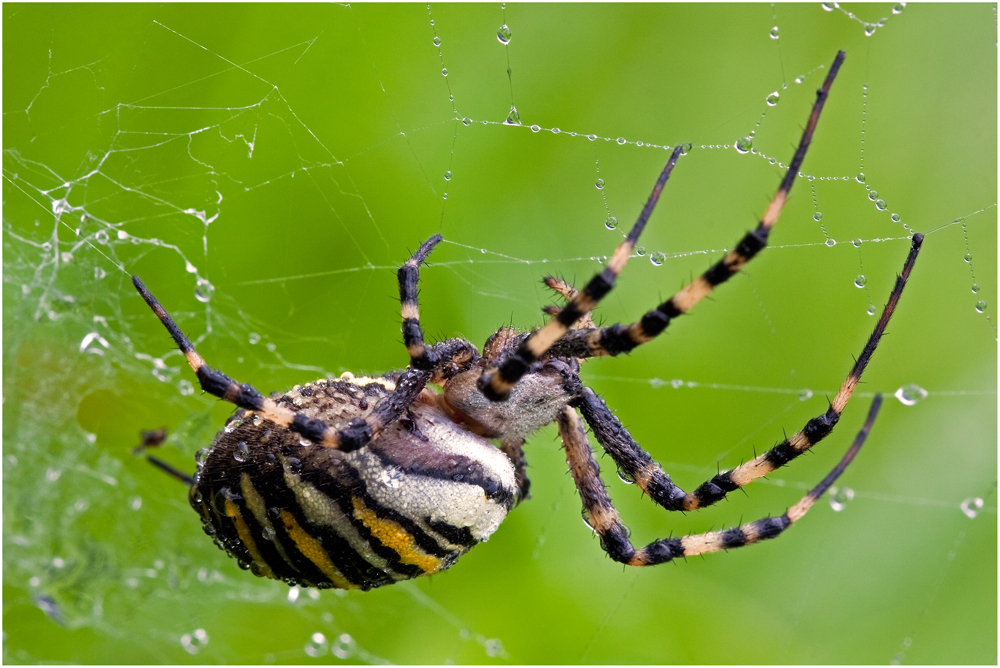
x=636, y=464
x=603, y=517
x=358, y=432
x=409, y=278
x=514, y=449
x=616, y=339
x=563, y=288
x=496, y=383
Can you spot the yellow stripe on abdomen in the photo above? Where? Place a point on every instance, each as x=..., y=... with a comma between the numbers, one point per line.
x=246, y=537
x=314, y=552
x=397, y=538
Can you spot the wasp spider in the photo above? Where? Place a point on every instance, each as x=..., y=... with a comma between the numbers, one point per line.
x=360, y=482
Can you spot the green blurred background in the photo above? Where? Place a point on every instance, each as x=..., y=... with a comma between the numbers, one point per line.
x=280, y=161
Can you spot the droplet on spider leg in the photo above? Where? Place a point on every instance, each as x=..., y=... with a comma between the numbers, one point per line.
x=971, y=506
x=910, y=394
x=242, y=452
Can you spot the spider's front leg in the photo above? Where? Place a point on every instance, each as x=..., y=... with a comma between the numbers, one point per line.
x=635, y=463
x=603, y=518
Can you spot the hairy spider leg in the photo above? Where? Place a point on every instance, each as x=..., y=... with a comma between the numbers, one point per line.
x=409, y=280
x=497, y=383
x=603, y=517
x=634, y=463
x=357, y=433
x=616, y=339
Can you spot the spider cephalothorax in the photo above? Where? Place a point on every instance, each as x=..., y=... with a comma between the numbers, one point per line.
x=359, y=482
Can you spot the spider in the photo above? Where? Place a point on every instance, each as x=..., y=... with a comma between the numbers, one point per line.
x=359, y=482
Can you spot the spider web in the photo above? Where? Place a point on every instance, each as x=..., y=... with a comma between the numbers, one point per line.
x=266, y=169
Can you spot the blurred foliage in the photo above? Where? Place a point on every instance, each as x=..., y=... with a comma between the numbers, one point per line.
x=280, y=160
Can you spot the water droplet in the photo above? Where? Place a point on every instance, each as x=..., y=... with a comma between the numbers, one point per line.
x=873, y=195
x=658, y=258
x=860, y=178
x=860, y=281
x=99, y=273
x=743, y=144
x=101, y=237
x=493, y=647
x=975, y=288
x=555, y=131
x=640, y=250
x=774, y=32
x=513, y=118
x=586, y=520
x=599, y=184
x=880, y=204
x=268, y=532
x=611, y=223
x=317, y=645
x=831, y=243
x=503, y=34
x=870, y=29
x=444, y=71
x=203, y=290
x=535, y=128
x=195, y=641
x=685, y=148
x=840, y=497
x=829, y=6
x=980, y=306
x=772, y=99
x=185, y=387
x=971, y=506
x=805, y=395
x=625, y=477
x=344, y=646
x=871, y=309
x=621, y=141
x=895, y=217
x=911, y=394
x=898, y=8
x=677, y=383
x=818, y=216
x=968, y=257
x=436, y=41
x=466, y=122
x=200, y=457
x=242, y=452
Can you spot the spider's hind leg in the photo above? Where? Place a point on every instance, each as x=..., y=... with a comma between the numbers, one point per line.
x=409, y=279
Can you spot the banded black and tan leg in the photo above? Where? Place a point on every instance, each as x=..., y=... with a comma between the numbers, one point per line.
x=409, y=282
x=815, y=429
x=357, y=433
x=635, y=463
x=603, y=517
x=514, y=449
x=497, y=383
x=617, y=339
x=563, y=288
